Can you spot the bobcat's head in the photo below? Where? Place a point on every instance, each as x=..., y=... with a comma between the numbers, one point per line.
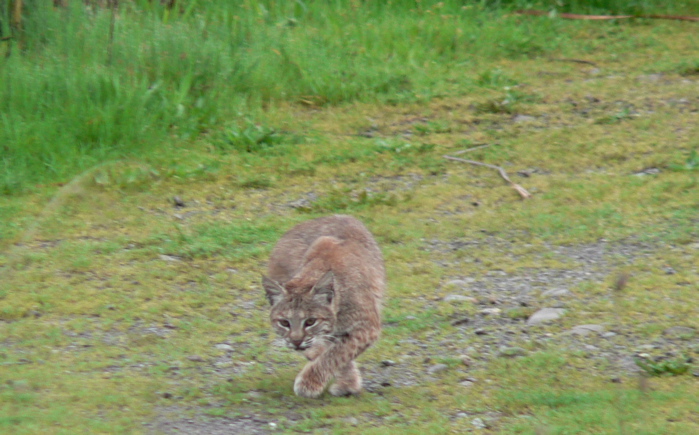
x=302, y=314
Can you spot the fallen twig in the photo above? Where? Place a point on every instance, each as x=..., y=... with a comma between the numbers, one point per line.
x=521, y=190
x=560, y=59
x=473, y=149
x=607, y=17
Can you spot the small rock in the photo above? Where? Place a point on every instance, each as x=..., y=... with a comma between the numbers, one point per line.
x=410, y=317
x=669, y=271
x=609, y=334
x=272, y=425
x=647, y=171
x=169, y=258
x=555, y=293
x=195, y=358
x=178, y=201
x=680, y=332
x=523, y=118
x=480, y=332
x=437, y=368
x=461, y=321
x=466, y=383
x=461, y=415
x=466, y=360
x=586, y=330
x=458, y=298
x=479, y=423
x=650, y=77
x=490, y=311
x=545, y=315
x=225, y=347
x=388, y=363
x=512, y=352
x=385, y=383
x=255, y=394
x=352, y=420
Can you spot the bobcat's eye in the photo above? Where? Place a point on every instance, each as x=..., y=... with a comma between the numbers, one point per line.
x=284, y=323
x=310, y=322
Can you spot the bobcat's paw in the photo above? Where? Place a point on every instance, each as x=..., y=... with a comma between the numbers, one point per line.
x=307, y=385
x=342, y=389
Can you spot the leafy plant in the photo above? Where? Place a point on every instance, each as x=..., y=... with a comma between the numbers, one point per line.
x=670, y=367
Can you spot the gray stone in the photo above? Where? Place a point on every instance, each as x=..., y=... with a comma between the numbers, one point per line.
x=609, y=334
x=195, y=358
x=523, y=118
x=490, y=311
x=169, y=258
x=478, y=423
x=466, y=383
x=545, y=315
x=225, y=347
x=586, y=330
x=437, y=368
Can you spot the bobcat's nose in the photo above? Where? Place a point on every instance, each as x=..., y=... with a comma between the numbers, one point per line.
x=297, y=343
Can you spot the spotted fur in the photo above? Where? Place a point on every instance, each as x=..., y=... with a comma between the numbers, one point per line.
x=325, y=283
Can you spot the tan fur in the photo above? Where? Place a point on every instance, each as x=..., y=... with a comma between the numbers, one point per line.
x=325, y=283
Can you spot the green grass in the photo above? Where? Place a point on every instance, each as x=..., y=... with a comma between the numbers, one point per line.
x=261, y=115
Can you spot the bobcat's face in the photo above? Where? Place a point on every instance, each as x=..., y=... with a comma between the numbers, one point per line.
x=304, y=316
x=302, y=322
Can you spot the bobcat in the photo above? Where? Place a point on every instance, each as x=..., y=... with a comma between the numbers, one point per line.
x=325, y=284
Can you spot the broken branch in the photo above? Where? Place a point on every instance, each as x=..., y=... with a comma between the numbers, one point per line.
x=521, y=190
x=607, y=17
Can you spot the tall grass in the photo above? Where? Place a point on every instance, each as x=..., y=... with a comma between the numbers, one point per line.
x=72, y=97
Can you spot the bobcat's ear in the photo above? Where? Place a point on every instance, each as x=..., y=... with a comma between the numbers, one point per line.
x=324, y=290
x=273, y=290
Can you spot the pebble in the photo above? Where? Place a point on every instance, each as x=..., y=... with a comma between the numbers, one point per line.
x=224, y=346
x=466, y=360
x=586, y=330
x=609, y=334
x=169, y=258
x=195, y=358
x=461, y=415
x=352, y=420
x=437, y=368
x=388, y=363
x=545, y=315
x=478, y=423
x=523, y=118
x=490, y=311
x=466, y=383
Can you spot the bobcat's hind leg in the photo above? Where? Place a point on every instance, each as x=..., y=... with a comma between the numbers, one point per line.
x=348, y=381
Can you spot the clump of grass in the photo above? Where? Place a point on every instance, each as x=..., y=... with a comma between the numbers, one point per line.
x=665, y=367
x=343, y=200
x=691, y=164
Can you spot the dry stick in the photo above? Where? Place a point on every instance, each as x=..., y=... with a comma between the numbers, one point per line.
x=521, y=190
x=473, y=149
x=560, y=59
x=608, y=17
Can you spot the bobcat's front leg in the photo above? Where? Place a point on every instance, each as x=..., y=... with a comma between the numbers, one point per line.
x=337, y=360
x=348, y=381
